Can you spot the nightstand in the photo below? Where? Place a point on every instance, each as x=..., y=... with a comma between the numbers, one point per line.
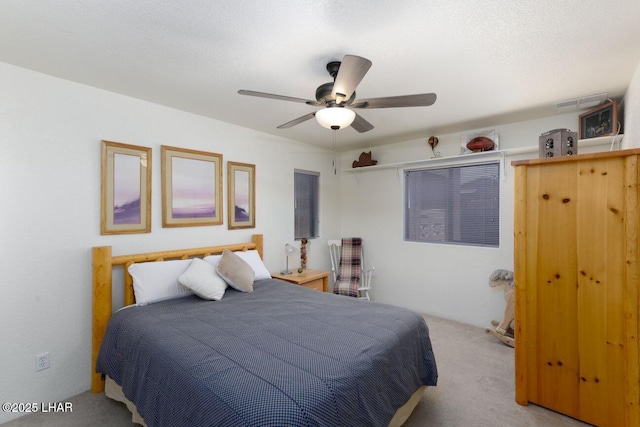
x=312, y=279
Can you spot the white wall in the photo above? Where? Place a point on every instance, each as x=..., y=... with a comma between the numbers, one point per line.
x=632, y=113
x=50, y=132
x=449, y=281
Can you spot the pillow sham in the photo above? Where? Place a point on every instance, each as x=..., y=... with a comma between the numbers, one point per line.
x=236, y=272
x=202, y=279
x=252, y=258
x=157, y=281
x=213, y=259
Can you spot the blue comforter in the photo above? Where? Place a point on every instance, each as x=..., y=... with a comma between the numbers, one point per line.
x=282, y=355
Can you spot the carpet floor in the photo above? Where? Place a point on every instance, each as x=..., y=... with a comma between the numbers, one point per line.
x=475, y=388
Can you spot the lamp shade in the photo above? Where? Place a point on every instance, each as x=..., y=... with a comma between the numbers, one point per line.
x=332, y=117
x=289, y=249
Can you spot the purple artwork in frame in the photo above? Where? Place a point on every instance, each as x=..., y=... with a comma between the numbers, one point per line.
x=191, y=187
x=125, y=189
x=241, y=179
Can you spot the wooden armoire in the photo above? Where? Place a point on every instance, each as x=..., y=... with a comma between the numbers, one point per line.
x=577, y=222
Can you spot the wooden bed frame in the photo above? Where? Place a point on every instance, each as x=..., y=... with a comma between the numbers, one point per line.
x=103, y=263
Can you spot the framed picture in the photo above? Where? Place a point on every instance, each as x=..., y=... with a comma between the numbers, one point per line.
x=191, y=187
x=125, y=189
x=241, y=179
x=601, y=121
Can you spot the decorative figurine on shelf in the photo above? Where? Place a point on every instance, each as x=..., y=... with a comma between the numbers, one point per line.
x=433, y=142
x=303, y=255
x=364, y=160
x=504, y=330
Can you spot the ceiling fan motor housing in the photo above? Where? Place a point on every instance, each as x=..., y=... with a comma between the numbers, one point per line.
x=323, y=95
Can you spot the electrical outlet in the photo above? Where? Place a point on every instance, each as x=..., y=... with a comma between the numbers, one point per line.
x=42, y=361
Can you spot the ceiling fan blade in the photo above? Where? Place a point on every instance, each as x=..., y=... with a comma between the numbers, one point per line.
x=419, y=100
x=280, y=97
x=297, y=121
x=352, y=70
x=360, y=124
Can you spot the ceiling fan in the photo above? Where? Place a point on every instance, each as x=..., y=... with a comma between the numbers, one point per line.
x=338, y=97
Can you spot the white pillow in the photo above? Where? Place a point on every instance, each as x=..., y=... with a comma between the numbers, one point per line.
x=213, y=259
x=202, y=279
x=253, y=259
x=157, y=281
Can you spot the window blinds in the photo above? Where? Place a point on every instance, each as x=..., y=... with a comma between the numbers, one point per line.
x=306, y=189
x=454, y=204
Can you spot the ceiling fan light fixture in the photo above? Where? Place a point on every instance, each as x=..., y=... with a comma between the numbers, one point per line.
x=335, y=117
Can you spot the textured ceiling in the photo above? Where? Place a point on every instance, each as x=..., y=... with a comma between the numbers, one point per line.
x=489, y=62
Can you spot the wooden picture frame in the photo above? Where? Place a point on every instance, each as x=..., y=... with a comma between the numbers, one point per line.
x=601, y=121
x=125, y=191
x=191, y=187
x=241, y=194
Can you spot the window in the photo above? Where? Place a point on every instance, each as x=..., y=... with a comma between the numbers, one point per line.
x=453, y=204
x=306, y=190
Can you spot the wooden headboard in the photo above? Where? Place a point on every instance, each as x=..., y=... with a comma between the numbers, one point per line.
x=103, y=263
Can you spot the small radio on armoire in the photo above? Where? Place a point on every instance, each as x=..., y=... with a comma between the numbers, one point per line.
x=558, y=142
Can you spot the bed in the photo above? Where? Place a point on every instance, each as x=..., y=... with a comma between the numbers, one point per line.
x=278, y=355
